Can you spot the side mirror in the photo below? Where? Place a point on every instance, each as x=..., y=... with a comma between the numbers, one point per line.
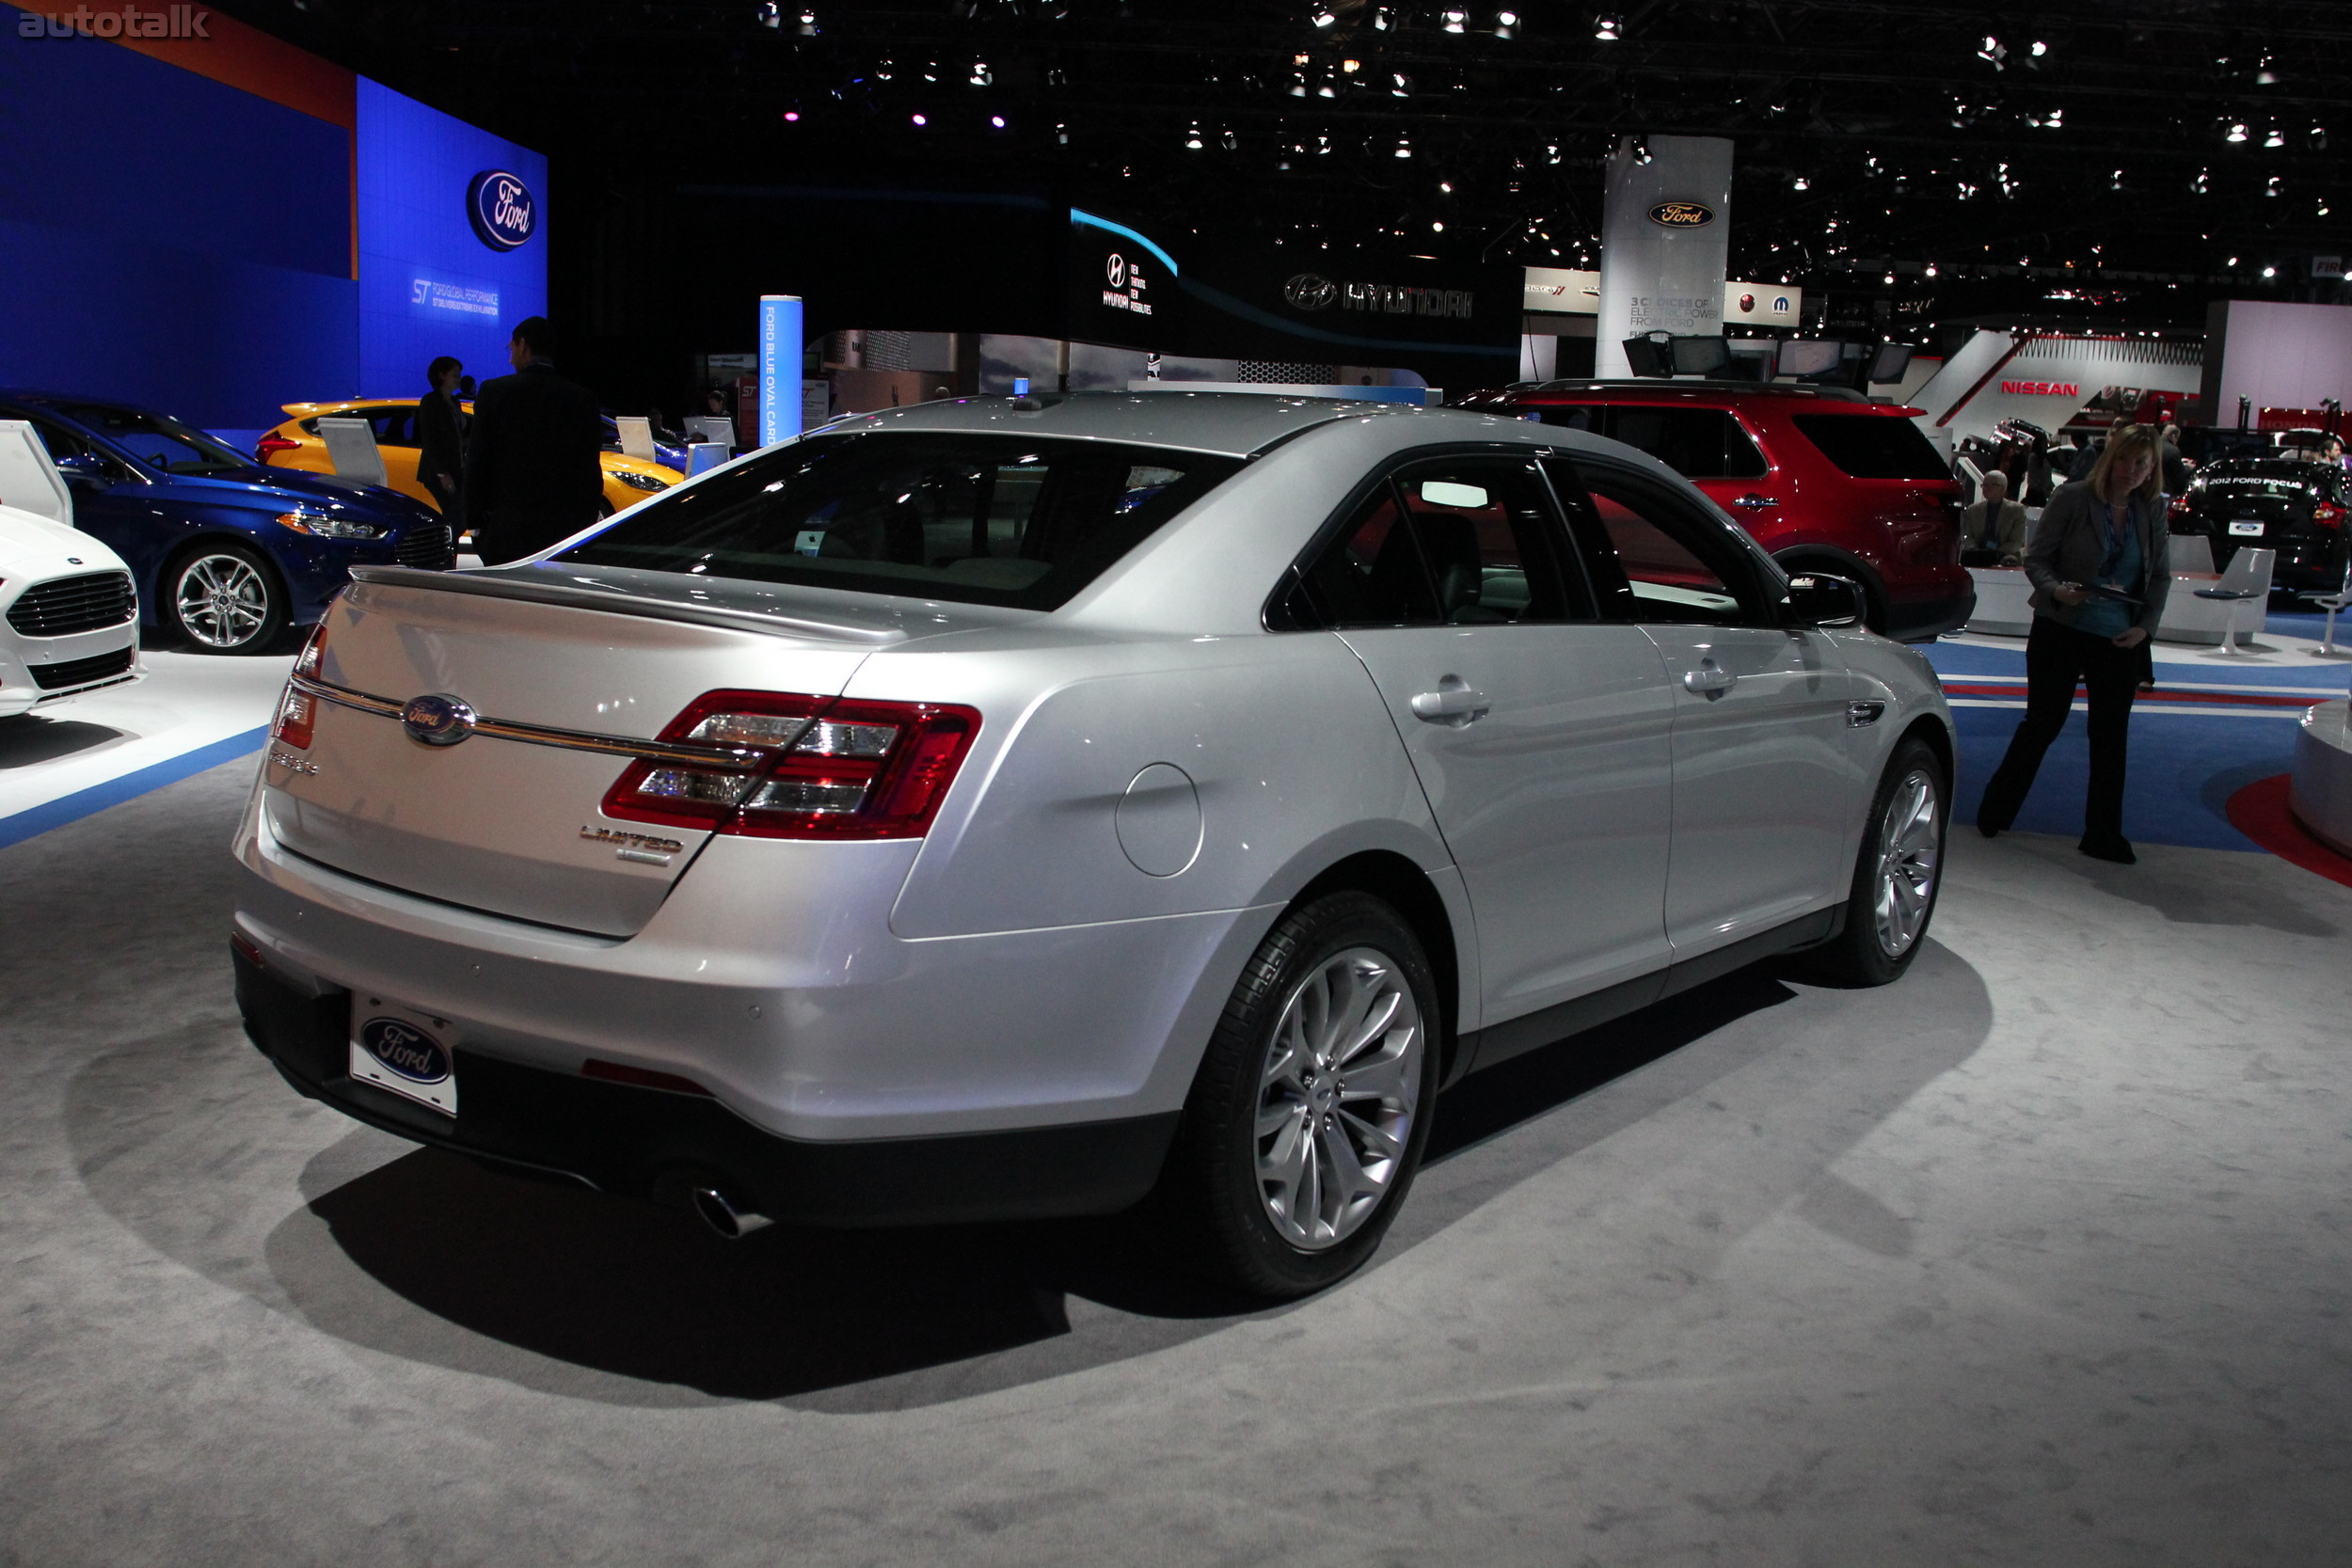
x=82, y=468
x=1823, y=599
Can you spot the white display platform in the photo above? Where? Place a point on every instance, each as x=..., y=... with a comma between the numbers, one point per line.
x=2004, y=595
x=2320, y=790
x=2002, y=601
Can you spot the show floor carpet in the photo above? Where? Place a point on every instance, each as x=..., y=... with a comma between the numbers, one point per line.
x=2040, y=1257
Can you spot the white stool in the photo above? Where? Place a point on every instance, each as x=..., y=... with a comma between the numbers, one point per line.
x=2233, y=597
x=2327, y=649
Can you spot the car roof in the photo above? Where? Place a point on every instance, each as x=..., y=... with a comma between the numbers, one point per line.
x=1709, y=389
x=1233, y=423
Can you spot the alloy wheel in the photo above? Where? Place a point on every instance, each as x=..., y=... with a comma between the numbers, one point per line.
x=1337, y=1096
x=222, y=600
x=1911, y=853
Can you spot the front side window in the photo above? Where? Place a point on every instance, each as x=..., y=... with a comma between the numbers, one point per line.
x=1873, y=446
x=159, y=442
x=1022, y=522
x=395, y=426
x=1679, y=567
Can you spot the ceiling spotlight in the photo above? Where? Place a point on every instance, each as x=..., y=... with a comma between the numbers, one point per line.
x=2237, y=133
x=1404, y=148
x=808, y=28
x=2202, y=183
x=1930, y=269
x=1641, y=150
x=918, y=120
x=2272, y=189
x=1608, y=27
x=1192, y=138
x=1351, y=67
x=1457, y=21
x=1232, y=142
x=1506, y=24
x=996, y=121
x=1436, y=229
x=2319, y=138
x=769, y=14
x=2039, y=49
x=1446, y=185
x=1061, y=135
x=2270, y=272
x=1890, y=277
x=1992, y=51
x=1803, y=183
x=1324, y=18
x=2276, y=137
x=982, y=75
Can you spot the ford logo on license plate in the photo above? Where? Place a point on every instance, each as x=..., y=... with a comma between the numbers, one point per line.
x=404, y=1050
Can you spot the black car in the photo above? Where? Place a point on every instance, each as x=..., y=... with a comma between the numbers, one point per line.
x=2291, y=506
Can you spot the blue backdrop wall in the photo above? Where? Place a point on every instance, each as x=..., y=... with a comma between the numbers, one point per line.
x=427, y=285
x=170, y=240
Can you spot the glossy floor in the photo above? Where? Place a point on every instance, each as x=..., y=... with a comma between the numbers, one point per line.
x=2040, y=1257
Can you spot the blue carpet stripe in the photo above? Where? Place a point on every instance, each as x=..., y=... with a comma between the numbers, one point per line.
x=39, y=819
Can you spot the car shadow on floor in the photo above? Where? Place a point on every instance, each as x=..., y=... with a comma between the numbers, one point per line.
x=559, y=1287
x=32, y=738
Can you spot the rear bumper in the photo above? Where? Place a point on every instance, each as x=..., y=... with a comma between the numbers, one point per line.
x=652, y=1144
x=1925, y=620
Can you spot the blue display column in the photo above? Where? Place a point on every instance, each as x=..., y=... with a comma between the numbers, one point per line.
x=779, y=368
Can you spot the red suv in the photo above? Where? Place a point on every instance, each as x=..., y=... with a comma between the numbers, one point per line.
x=1821, y=478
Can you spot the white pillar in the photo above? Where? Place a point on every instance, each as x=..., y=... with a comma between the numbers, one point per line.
x=1665, y=230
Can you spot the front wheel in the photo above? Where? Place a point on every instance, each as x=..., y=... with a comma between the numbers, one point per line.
x=1308, y=1114
x=224, y=599
x=1897, y=874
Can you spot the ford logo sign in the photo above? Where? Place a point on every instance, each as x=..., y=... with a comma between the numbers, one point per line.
x=405, y=1049
x=503, y=211
x=438, y=720
x=1683, y=215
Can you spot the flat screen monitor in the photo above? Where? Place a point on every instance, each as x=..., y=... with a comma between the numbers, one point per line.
x=1890, y=362
x=1810, y=355
x=1650, y=356
x=1699, y=355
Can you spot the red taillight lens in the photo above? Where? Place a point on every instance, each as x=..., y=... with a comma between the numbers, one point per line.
x=297, y=711
x=2328, y=515
x=803, y=767
x=2181, y=506
x=270, y=444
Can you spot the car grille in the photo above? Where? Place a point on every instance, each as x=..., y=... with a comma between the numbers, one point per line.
x=66, y=605
x=80, y=671
x=423, y=545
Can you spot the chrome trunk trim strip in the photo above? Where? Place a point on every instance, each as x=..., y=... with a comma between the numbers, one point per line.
x=733, y=758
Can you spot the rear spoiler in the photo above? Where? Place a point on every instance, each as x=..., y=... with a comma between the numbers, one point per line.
x=613, y=601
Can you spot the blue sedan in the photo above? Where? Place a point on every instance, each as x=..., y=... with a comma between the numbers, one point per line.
x=227, y=554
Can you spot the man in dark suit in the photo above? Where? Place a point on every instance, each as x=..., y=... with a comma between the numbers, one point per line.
x=1996, y=532
x=532, y=474
x=441, y=442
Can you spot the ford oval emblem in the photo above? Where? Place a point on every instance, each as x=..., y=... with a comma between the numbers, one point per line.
x=503, y=211
x=1683, y=215
x=438, y=720
x=405, y=1049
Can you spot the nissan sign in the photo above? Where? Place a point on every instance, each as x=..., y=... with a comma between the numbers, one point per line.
x=500, y=207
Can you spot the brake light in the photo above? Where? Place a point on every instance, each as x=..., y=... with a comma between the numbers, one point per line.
x=297, y=711
x=271, y=444
x=2181, y=506
x=2328, y=515
x=801, y=766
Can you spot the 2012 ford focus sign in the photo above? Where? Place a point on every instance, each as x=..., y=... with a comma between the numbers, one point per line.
x=503, y=211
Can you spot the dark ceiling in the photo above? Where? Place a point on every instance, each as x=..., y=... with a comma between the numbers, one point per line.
x=2069, y=159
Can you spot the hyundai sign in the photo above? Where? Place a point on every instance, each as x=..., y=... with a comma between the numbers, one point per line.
x=779, y=368
x=502, y=209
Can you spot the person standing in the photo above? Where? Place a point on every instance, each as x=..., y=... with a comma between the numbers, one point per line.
x=2099, y=564
x=2176, y=467
x=1996, y=526
x=441, y=442
x=533, y=475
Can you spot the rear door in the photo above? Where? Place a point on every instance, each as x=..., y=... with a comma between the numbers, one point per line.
x=1539, y=730
x=1763, y=781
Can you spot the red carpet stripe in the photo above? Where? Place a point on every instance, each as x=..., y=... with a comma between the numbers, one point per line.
x=2260, y=811
x=2161, y=695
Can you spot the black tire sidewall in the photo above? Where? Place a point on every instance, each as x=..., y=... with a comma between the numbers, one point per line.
x=1215, y=1162
x=273, y=625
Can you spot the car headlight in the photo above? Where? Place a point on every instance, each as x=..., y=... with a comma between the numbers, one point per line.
x=639, y=482
x=323, y=527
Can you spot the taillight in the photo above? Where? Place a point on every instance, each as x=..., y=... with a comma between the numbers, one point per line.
x=801, y=766
x=297, y=711
x=269, y=445
x=2181, y=506
x=2328, y=515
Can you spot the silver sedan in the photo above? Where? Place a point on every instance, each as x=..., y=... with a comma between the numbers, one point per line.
x=1020, y=807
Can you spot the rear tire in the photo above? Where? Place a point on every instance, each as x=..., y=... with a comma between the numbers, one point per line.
x=222, y=598
x=1308, y=1114
x=1897, y=875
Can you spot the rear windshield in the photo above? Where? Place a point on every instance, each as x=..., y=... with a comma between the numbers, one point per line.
x=1010, y=520
x=1874, y=445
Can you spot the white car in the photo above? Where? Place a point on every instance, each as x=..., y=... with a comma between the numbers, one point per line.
x=69, y=614
x=1010, y=807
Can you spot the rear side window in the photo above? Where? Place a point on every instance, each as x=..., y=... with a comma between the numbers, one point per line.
x=1873, y=446
x=1682, y=568
x=1022, y=522
x=1696, y=443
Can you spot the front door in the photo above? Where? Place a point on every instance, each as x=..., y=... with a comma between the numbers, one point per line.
x=1763, y=783
x=1540, y=732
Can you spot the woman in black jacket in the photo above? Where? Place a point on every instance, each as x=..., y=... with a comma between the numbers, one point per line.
x=2099, y=562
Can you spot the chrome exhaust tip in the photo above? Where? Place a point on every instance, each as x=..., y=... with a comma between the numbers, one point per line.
x=720, y=1213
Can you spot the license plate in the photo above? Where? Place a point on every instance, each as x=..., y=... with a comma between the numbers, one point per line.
x=2247, y=526
x=403, y=1051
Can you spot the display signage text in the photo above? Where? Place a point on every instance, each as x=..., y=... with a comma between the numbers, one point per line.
x=1310, y=290
x=502, y=209
x=2044, y=388
x=780, y=346
x=1683, y=215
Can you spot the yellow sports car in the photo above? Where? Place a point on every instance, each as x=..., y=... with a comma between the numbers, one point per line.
x=296, y=444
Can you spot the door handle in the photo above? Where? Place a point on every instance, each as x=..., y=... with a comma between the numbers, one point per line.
x=1709, y=680
x=1755, y=503
x=1454, y=703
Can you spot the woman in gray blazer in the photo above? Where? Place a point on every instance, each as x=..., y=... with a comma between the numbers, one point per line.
x=2099, y=562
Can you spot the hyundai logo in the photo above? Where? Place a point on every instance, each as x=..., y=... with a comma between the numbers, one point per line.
x=1310, y=291
x=1116, y=270
x=502, y=209
x=405, y=1049
x=437, y=720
